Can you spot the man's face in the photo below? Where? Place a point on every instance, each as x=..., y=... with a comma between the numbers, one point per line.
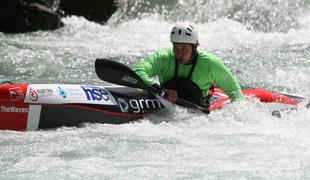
x=183, y=52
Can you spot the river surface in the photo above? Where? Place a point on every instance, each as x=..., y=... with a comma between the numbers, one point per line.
x=265, y=43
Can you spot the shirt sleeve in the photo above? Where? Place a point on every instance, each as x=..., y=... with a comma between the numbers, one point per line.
x=148, y=68
x=225, y=80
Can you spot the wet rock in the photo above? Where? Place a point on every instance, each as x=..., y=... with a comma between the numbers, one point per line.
x=93, y=10
x=18, y=16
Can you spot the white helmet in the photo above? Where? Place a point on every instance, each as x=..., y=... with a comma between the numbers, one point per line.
x=184, y=33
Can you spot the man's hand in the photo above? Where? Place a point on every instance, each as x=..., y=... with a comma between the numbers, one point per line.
x=171, y=95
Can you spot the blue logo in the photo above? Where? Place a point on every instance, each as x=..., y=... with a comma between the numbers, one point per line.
x=63, y=92
x=95, y=94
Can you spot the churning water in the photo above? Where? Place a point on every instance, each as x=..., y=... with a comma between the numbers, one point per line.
x=265, y=43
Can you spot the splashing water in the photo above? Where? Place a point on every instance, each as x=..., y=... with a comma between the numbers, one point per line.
x=265, y=44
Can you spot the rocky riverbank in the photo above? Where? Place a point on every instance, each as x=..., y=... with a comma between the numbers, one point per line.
x=18, y=16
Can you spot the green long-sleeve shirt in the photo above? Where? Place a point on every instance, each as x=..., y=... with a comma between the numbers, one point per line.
x=208, y=69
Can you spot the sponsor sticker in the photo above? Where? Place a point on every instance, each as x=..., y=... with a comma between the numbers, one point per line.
x=74, y=91
x=13, y=109
x=144, y=105
x=44, y=92
x=16, y=93
x=33, y=94
x=62, y=92
x=139, y=105
x=66, y=93
x=96, y=93
x=123, y=105
x=132, y=80
x=14, y=115
x=36, y=93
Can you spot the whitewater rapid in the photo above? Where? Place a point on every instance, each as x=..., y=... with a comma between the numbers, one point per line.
x=242, y=141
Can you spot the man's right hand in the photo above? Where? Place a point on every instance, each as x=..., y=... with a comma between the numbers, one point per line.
x=171, y=95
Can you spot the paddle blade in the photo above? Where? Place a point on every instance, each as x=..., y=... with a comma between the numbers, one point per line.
x=118, y=73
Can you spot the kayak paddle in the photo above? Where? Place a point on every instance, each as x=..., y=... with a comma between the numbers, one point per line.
x=118, y=73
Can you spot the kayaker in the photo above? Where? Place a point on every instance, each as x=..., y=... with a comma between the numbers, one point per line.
x=188, y=73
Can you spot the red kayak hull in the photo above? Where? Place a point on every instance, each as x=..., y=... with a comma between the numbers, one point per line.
x=29, y=107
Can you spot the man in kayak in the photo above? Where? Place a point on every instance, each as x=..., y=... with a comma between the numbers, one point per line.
x=185, y=72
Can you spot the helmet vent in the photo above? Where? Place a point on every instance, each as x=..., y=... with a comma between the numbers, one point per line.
x=184, y=33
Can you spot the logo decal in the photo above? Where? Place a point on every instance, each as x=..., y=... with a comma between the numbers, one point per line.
x=144, y=105
x=95, y=93
x=33, y=95
x=16, y=93
x=62, y=92
x=130, y=79
x=123, y=105
x=13, y=109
